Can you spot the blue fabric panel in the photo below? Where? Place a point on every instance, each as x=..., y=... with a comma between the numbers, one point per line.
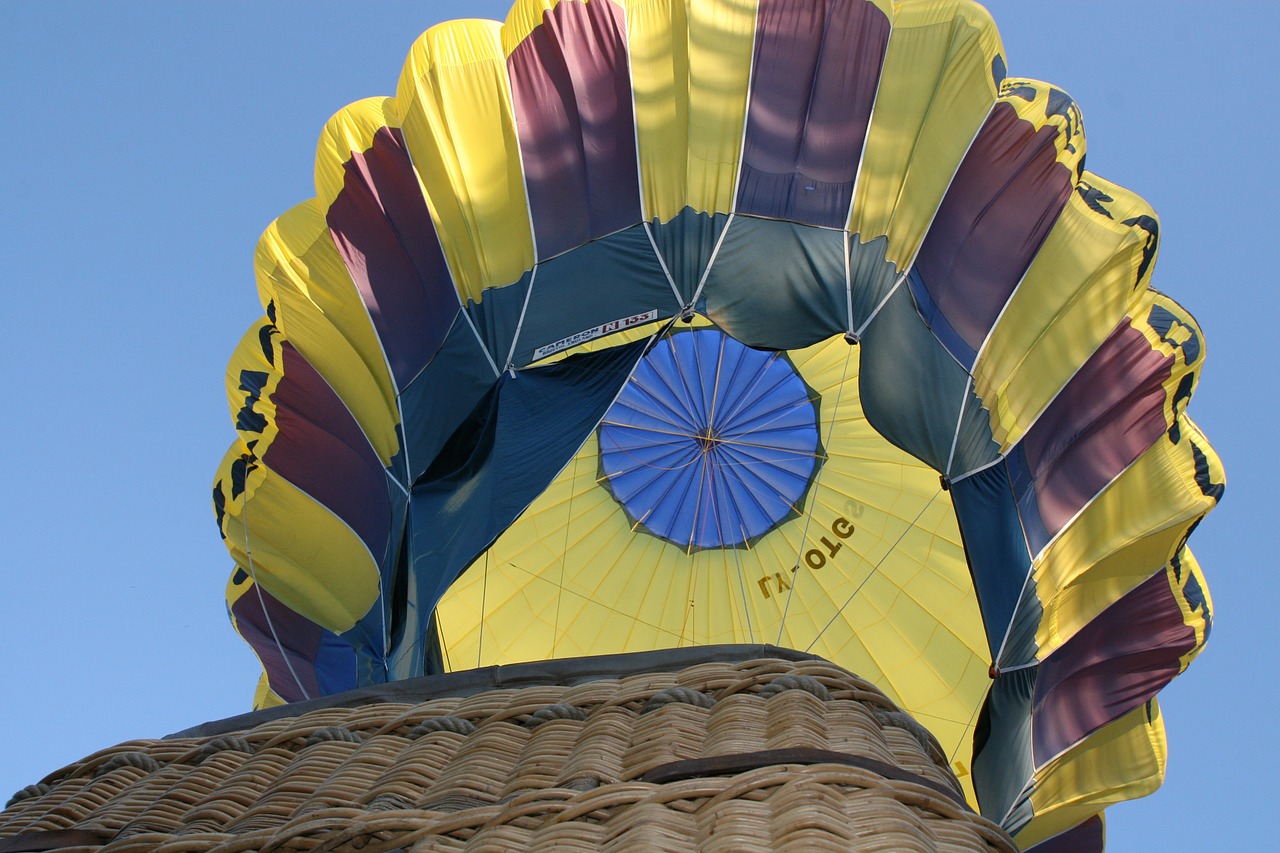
x=687, y=243
x=599, y=288
x=1024, y=489
x=994, y=545
x=335, y=664
x=442, y=395
x=913, y=391
x=497, y=317
x=871, y=277
x=778, y=284
x=712, y=443
x=936, y=321
x=506, y=453
x=1002, y=761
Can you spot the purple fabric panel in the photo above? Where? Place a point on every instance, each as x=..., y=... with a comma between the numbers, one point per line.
x=321, y=450
x=1087, y=837
x=571, y=92
x=299, y=635
x=385, y=235
x=1004, y=198
x=1107, y=415
x=817, y=66
x=1114, y=664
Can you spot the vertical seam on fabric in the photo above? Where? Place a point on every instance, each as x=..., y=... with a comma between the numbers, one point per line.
x=635, y=130
x=946, y=191
x=524, y=173
x=426, y=201
x=742, y=583
x=484, y=603
x=1026, y=581
x=955, y=437
x=444, y=645
x=871, y=116
x=564, y=550
x=515, y=338
x=528, y=206
x=848, y=281
x=715, y=253
x=453, y=278
x=906, y=270
x=746, y=115
x=662, y=262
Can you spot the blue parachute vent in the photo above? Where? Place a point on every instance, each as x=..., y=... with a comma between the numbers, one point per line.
x=711, y=444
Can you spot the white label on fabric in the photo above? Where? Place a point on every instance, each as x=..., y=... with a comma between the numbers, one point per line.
x=597, y=332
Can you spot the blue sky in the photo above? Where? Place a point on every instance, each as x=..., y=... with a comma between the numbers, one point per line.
x=146, y=145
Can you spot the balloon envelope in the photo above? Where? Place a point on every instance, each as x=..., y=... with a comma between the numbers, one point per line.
x=633, y=325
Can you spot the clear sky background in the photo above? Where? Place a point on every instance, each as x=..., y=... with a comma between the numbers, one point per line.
x=144, y=146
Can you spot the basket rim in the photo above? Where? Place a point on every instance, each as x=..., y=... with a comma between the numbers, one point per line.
x=462, y=683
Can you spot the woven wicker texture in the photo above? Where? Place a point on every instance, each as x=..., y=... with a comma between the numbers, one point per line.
x=735, y=756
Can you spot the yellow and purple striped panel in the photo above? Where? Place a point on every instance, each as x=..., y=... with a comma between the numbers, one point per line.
x=308, y=293
x=1090, y=272
x=378, y=221
x=943, y=63
x=297, y=494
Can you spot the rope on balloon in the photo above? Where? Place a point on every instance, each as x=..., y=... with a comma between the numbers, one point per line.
x=875, y=568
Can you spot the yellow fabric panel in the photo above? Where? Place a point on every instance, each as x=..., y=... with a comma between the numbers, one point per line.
x=454, y=104
x=320, y=312
x=1173, y=342
x=936, y=90
x=1081, y=283
x=657, y=36
x=248, y=355
x=1196, y=618
x=349, y=131
x=264, y=696
x=892, y=602
x=298, y=550
x=1123, y=536
x=1121, y=761
x=690, y=70
x=524, y=17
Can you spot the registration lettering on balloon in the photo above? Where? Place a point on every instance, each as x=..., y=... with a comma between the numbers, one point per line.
x=591, y=334
x=815, y=558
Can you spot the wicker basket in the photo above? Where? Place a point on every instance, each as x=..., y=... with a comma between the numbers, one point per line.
x=688, y=751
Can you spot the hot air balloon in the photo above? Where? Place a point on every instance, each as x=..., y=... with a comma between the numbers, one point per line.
x=637, y=324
